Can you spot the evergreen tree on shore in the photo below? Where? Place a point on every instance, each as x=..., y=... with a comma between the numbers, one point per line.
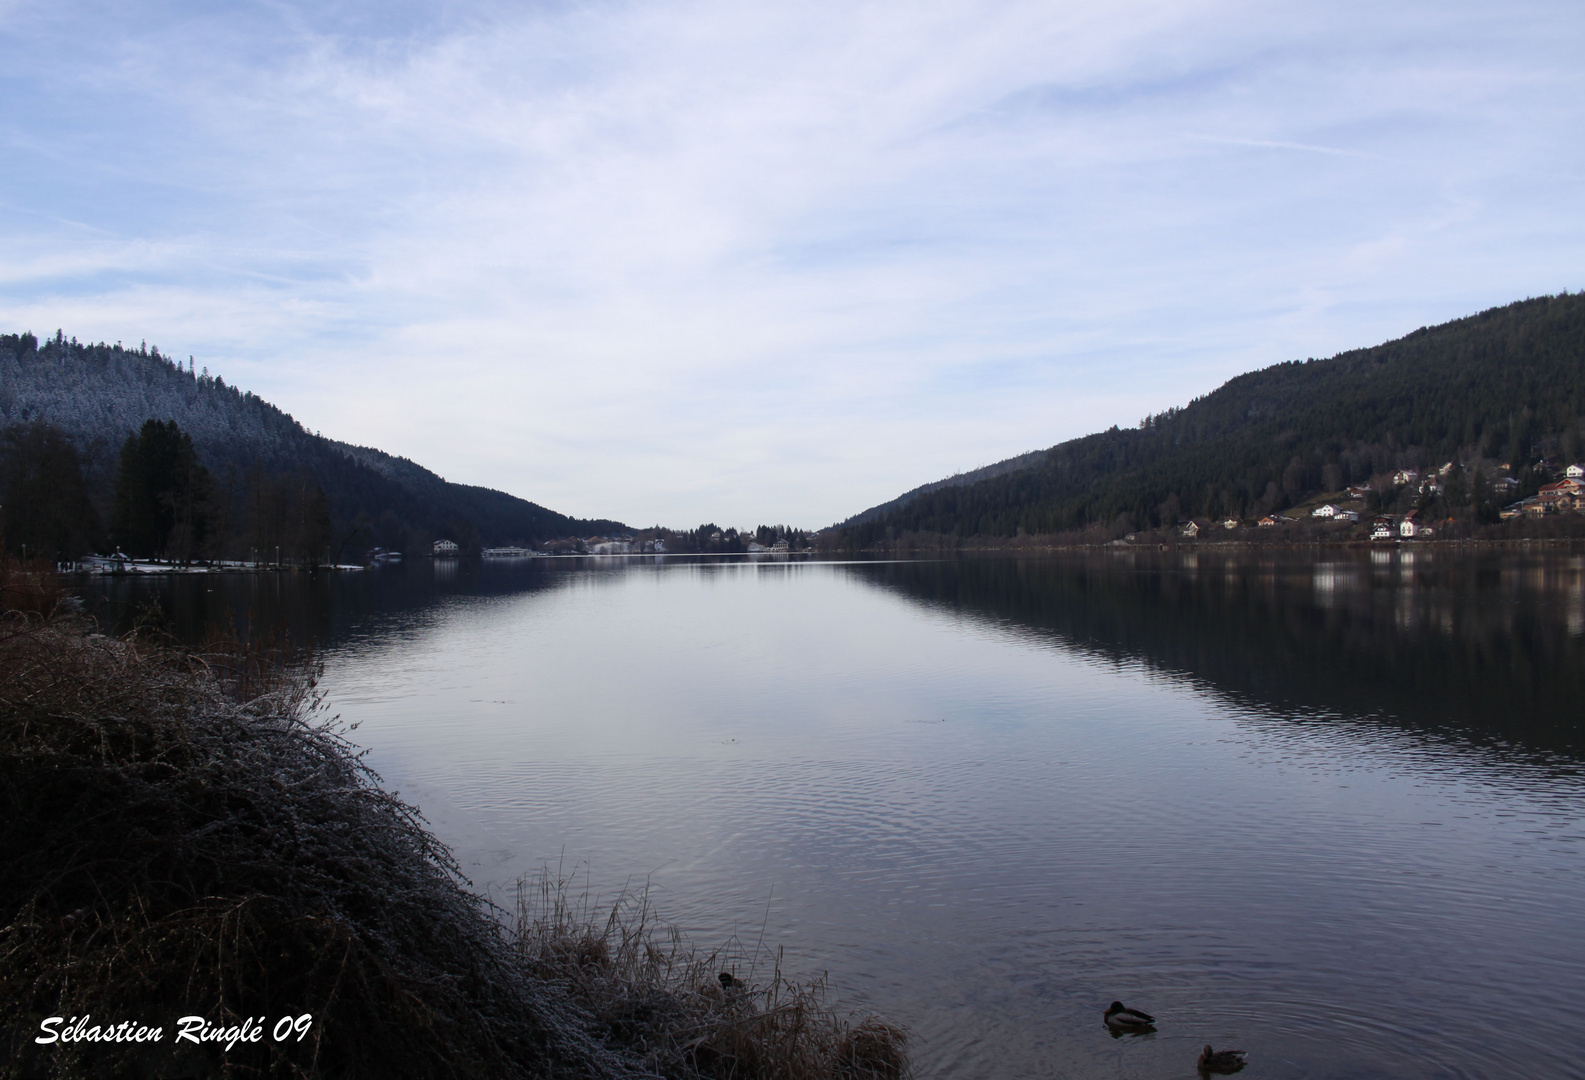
x=164, y=504
x=44, y=501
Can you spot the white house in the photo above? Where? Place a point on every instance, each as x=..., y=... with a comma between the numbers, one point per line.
x=1327, y=511
x=1575, y=472
x=445, y=547
x=1382, y=529
x=1405, y=476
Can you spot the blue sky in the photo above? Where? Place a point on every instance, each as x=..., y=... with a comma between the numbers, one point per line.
x=751, y=262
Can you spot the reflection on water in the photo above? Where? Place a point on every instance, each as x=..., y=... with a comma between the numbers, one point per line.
x=1326, y=811
x=1490, y=649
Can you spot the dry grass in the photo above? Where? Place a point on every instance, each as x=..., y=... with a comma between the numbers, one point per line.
x=650, y=990
x=183, y=834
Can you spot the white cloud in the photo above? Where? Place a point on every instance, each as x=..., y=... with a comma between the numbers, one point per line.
x=738, y=261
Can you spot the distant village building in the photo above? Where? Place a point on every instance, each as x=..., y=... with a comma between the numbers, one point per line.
x=1326, y=511
x=1356, y=491
x=1562, y=495
x=1381, y=529
x=1189, y=529
x=445, y=547
x=1408, y=527
x=1575, y=472
x=1404, y=477
x=1231, y=523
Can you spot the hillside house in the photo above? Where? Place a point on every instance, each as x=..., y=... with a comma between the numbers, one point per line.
x=1231, y=523
x=1409, y=528
x=1575, y=472
x=1188, y=529
x=1563, y=495
x=1382, y=529
x=1326, y=511
x=1404, y=477
x=445, y=547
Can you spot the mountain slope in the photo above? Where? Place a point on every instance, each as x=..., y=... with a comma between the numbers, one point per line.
x=99, y=394
x=1503, y=386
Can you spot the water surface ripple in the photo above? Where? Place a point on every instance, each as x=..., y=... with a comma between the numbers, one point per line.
x=1328, y=811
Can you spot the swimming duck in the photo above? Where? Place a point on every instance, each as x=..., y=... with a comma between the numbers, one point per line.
x=1220, y=1061
x=728, y=982
x=1124, y=1019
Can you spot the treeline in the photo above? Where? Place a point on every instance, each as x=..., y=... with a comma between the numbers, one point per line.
x=163, y=504
x=710, y=539
x=266, y=468
x=1505, y=388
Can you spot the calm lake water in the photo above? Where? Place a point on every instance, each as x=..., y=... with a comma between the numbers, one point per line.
x=1329, y=810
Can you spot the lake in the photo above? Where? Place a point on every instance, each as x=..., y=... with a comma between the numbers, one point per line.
x=1326, y=808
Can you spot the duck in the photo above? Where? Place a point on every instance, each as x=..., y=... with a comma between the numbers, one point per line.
x=1220, y=1061
x=1124, y=1019
x=729, y=982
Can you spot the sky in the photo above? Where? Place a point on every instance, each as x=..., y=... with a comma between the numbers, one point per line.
x=765, y=262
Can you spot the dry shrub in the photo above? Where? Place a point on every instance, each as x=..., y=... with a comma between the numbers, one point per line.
x=655, y=994
x=30, y=587
x=172, y=849
x=182, y=833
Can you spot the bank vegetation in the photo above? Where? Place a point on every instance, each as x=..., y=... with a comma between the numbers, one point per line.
x=185, y=832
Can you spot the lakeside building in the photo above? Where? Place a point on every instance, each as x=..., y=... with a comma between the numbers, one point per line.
x=1410, y=528
x=445, y=547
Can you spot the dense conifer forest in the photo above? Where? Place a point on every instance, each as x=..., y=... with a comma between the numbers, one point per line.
x=1499, y=393
x=231, y=474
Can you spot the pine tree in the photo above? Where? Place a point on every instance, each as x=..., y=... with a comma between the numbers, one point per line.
x=43, y=499
x=164, y=495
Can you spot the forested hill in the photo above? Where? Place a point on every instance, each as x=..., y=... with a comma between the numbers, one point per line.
x=1504, y=387
x=101, y=394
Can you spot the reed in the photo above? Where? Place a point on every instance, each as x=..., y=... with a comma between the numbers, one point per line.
x=185, y=832
x=650, y=989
